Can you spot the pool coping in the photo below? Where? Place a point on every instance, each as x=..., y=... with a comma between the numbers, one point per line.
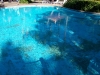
x=15, y=4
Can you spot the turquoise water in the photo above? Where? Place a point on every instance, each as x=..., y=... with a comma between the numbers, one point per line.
x=39, y=40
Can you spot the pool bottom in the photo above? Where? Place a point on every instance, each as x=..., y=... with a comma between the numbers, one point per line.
x=34, y=58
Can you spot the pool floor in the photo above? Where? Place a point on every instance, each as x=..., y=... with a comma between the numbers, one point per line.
x=47, y=41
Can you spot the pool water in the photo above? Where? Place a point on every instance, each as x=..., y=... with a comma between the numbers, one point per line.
x=37, y=40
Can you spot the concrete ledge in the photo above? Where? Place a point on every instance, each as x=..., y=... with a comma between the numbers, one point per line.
x=10, y=4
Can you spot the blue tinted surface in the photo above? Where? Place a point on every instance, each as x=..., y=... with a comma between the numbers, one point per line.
x=49, y=41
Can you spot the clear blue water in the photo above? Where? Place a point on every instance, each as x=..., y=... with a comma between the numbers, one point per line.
x=48, y=41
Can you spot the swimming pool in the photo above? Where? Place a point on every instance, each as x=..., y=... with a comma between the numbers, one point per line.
x=37, y=40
